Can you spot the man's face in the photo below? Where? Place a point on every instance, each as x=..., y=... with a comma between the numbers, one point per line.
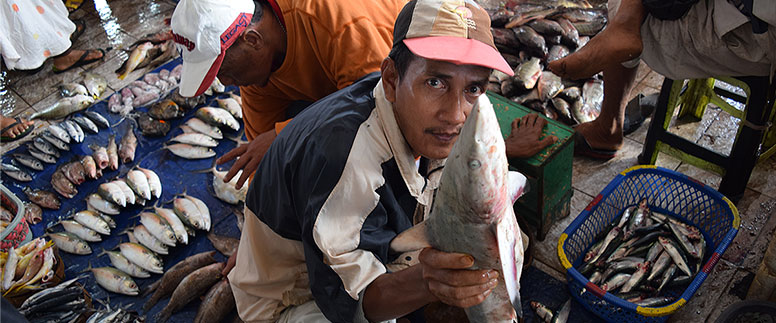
x=245, y=63
x=432, y=101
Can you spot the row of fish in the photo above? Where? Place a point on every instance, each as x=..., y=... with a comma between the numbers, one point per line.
x=644, y=255
x=142, y=92
x=27, y=266
x=64, y=302
x=76, y=97
x=45, y=148
x=201, y=133
x=529, y=36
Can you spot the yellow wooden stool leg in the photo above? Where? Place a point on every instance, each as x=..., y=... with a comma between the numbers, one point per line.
x=698, y=94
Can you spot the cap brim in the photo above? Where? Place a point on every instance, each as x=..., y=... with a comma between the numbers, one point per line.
x=197, y=77
x=458, y=50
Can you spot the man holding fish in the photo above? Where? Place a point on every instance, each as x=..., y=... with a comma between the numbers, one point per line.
x=356, y=169
x=285, y=55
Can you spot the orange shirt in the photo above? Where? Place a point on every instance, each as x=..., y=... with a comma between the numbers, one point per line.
x=330, y=44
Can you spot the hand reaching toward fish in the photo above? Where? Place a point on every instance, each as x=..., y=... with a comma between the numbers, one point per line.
x=448, y=278
x=248, y=157
x=524, y=140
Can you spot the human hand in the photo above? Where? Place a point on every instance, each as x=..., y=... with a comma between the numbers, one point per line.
x=230, y=263
x=248, y=157
x=523, y=141
x=448, y=278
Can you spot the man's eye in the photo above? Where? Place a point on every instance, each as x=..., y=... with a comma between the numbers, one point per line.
x=435, y=83
x=475, y=90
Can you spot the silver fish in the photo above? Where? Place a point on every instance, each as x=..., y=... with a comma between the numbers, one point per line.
x=64, y=107
x=54, y=141
x=147, y=239
x=70, y=243
x=196, y=139
x=673, y=251
x=73, y=129
x=204, y=212
x=190, y=152
x=81, y=231
x=175, y=223
x=204, y=128
x=16, y=173
x=122, y=263
x=138, y=181
x=158, y=227
x=115, y=280
x=112, y=192
x=92, y=220
x=188, y=212
x=95, y=202
x=218, y=117
x=141, y=256
x=227, y=191
x=129, y=194
x=86, y=123
x=58, y=132
x=28, y=161
x=231, y=105
x=154, y=183
x=98, y=119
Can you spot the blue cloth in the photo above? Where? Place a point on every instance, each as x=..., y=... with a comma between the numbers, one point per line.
x=177, y=175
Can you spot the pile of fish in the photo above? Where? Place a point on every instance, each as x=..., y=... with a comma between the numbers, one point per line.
x=117, y=315
x=62, y=303
x=153, y=236
x=200, y=133
x=139, y=186
x=151, y=51
x=529, y=36
x=75, y=97
x=643, y=255
x=188, y=280
x=142, y=92
x=27, y=266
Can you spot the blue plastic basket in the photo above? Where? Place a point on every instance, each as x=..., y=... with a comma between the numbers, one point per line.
x=667, y=192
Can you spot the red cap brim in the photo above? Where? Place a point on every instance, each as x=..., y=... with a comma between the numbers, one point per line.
x=458, y=50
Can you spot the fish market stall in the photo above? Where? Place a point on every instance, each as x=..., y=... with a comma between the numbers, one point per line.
x=171, y=170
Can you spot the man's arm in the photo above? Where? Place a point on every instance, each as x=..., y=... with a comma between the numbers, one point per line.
x=439, y=276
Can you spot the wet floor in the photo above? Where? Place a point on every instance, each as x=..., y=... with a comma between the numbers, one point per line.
x=119, y=23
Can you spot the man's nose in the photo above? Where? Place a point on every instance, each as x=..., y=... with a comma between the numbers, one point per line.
x=453, y=108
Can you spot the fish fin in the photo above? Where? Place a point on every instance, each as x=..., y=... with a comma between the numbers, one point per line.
x=411, y=239
x=88, y=268
x=510, y=246
x=517, y=185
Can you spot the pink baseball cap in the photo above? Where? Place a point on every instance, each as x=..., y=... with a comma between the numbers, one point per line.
x=203, y=30
x=456, y=31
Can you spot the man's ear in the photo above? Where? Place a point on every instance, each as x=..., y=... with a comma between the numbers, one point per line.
x=390, y=77
x=253, y=38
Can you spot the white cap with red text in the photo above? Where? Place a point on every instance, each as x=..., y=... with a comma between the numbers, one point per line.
x=202, y=31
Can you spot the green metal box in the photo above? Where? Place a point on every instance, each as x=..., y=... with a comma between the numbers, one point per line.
x=549, y=172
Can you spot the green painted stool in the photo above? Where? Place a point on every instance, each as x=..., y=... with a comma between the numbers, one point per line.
x=754, y=139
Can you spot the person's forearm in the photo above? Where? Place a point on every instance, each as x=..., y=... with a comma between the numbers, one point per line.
x=396, y=294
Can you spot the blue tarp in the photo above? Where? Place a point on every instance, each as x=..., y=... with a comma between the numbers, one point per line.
x=177, y=176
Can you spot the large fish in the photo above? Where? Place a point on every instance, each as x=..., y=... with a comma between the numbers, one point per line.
x=472, y=213
x=64, y=106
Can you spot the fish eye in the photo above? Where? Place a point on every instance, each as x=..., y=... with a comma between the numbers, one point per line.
x=474, y=164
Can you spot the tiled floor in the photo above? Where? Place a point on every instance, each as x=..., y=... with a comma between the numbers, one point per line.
x=119, y=23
